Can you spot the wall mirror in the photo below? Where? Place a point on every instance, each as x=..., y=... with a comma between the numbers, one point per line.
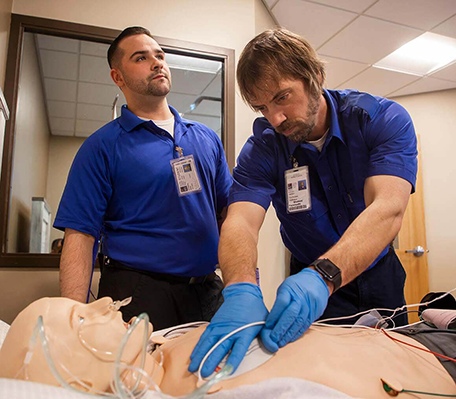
x=59, y=91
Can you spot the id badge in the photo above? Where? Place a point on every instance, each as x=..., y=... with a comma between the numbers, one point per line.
x=297, y=186
x=185, y=175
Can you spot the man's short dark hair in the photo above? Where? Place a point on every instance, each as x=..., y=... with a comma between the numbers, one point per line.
x=114, y=53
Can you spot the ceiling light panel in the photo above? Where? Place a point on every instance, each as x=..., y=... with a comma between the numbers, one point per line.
x=421, y=56
x=187, y=63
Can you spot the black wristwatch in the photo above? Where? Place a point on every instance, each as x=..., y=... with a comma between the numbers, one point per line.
x=329, y=271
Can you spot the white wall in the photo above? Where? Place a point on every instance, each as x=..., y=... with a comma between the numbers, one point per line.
x=434, y=117
x=31, y=149
x=222, y=23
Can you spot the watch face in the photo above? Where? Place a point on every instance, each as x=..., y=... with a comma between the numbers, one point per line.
x=329, y=271
x=329, y=268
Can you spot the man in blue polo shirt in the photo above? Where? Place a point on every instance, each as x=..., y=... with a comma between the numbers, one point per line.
x=152, y=185
x=339, y=167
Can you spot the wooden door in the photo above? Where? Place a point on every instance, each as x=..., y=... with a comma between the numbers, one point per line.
x=411, y=235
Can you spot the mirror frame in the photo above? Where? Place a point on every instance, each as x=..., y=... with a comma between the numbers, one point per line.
x=23, y=23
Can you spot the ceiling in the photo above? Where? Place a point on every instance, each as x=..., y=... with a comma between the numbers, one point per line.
x=79, y=92
x=352, y=35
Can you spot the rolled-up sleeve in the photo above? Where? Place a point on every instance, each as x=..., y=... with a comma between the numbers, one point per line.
x=254, y=175
x=392, y=143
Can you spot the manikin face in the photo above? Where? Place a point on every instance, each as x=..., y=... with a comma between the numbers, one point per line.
x=83, y=342
x=290, y=109
x=143, y=70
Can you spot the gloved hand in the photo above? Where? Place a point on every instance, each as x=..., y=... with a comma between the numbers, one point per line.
x=243, y=305
x=301, y=299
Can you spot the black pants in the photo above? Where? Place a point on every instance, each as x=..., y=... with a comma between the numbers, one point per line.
x=167, y=302
x=379, y=287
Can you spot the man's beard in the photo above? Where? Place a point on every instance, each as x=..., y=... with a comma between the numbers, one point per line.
x=149, y=88
x=302, y=129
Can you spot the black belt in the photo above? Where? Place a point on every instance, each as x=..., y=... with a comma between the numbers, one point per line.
x=111, y=263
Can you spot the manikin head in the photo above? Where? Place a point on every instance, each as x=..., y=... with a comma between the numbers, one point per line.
x=83, y=342
x=138, y=65
x=280, y=76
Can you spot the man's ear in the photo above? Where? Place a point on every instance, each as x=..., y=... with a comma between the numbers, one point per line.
x=117, y=77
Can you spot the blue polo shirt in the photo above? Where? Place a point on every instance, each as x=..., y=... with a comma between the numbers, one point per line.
x=368, y=136
x=121, y=184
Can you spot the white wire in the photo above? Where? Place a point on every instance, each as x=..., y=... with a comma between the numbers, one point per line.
x=386, y=309
x=257, y=323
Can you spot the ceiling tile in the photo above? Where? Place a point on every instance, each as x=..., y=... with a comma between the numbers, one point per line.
x=61, y=109
x=92, y=93
x=189, y=82
x=379, y=82
x=94, y=69
x=83, y=134
x=349, y=5
x=338, y=71
x=57, y=43
x=59, y=64
x=271, y=3
x=422, y=14
x=447, y=28
x=181, y=101
x=448, y=73
x=57, y=89
x=368, y=40
x=62, y=124
x=87, y=127
x=92, y=48
x=306, y=18
x=211, y=122
x=94, y=112
x=424, y=85
x=208, y=107
x=215, y=87
x=62, y=133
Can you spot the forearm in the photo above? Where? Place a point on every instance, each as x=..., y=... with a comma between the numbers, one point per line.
x=76, y=265
x=366, y=237
x=237, y=252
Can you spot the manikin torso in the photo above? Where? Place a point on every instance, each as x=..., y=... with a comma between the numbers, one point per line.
x=351, y=361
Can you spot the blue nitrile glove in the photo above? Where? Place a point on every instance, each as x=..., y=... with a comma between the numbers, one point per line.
x=301, y=299
x=243, y=305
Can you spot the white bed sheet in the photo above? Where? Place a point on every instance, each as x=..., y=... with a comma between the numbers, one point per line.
x=283, y=388
x=4, y=327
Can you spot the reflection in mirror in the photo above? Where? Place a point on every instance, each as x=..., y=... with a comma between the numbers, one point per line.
x=65, y=94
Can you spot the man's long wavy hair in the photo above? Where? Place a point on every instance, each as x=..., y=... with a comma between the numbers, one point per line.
x=276, y=54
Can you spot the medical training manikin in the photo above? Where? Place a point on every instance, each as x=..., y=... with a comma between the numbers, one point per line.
x=83, y=341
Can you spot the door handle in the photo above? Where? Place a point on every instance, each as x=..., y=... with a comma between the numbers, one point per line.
x=417, y=251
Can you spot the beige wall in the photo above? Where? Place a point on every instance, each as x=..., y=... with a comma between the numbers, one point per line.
x=5, y=19
x=62, y=151
x=31, y=147
x=228, y=24
x=434, y=117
